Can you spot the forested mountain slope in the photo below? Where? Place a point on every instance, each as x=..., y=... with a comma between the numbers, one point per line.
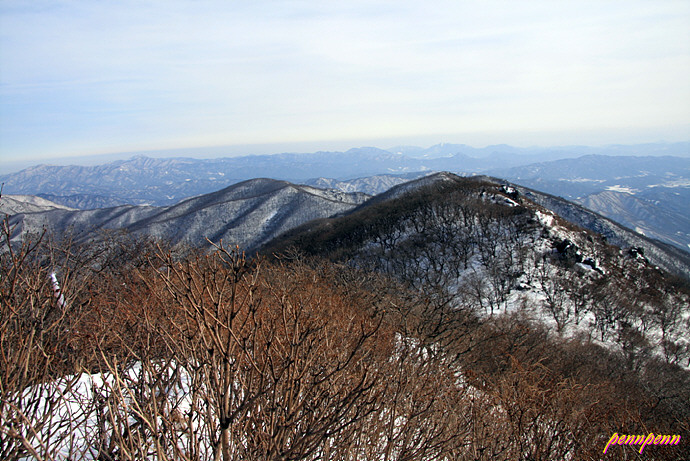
x=668, y=257
x=479, y=245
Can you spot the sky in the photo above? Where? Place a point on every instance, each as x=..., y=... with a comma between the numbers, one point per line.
x=82, y=78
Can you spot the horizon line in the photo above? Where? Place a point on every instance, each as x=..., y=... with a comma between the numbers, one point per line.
x=262, y=149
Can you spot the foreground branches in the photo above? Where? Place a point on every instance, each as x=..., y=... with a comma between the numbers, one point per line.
x=155, y=354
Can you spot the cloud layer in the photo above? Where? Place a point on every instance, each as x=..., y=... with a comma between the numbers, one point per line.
x=85, y=77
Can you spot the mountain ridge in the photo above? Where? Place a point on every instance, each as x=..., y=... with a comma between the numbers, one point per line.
x=673, y=259
x=246, y=214
x=660, y=182
x=669, y=258
x=251, y=213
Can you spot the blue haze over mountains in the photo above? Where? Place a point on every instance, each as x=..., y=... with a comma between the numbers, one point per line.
x=645, y=187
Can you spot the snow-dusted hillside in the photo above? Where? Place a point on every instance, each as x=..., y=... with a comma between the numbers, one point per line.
x=246, y=214
x=372, y=185
x=659, y=253
x=649, y=193
x=15, y=204
x=642, y=215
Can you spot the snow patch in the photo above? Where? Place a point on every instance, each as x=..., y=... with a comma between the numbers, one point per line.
x=619, y=188
x=546, y=219
x=675, y=183
x=584, y=180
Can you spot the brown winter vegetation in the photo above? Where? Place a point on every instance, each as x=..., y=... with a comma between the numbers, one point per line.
x=186, y=354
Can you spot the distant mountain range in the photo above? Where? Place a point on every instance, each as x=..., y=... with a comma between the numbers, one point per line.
x=644, y=187
x=164, y=181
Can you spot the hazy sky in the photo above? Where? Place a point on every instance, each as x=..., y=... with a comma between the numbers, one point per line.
x=88, y=77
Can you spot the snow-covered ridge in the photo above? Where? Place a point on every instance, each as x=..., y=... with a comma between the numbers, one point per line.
x=15, y=204
x=246, y=214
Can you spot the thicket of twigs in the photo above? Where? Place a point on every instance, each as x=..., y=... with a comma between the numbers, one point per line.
x=160, y=354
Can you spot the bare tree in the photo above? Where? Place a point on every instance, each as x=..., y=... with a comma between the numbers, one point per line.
x=36, y=368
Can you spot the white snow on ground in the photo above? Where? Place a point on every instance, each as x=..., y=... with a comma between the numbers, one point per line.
x=673, y=183
x=66, y=414
x=618, y=188
x=13, y=204
x=545, y=218
x=585, y=180
x=73, y=414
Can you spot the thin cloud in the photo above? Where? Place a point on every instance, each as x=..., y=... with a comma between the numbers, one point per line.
x=87, y=76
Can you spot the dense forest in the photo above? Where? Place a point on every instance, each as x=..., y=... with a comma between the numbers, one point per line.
x=456, y=321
